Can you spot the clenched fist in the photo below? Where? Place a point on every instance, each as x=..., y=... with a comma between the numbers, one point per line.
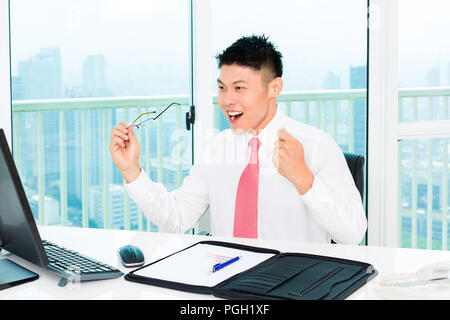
x=289, y=159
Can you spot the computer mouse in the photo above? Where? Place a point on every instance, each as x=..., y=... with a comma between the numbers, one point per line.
x=131, y=256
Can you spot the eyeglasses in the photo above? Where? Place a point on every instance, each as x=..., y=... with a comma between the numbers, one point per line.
x=144, y=118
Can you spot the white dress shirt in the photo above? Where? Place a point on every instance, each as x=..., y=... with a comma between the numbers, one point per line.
x=331, y=209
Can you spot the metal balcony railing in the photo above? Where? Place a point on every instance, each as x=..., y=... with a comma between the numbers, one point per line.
x=84, y=105
x=423, y=172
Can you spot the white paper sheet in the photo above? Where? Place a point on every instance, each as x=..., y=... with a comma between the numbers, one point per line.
x=193, y=266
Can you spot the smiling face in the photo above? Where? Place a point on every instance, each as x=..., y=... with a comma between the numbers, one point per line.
x=247, y=97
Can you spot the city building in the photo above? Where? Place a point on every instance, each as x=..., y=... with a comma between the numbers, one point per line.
x=358, y=80
x=95, y=77
x=116, y=205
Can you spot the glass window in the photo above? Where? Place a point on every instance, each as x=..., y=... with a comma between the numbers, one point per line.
x=424, y=192
x=424, y=90
x=78, y=68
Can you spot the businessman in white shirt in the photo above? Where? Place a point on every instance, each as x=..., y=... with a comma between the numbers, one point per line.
x=267, y=177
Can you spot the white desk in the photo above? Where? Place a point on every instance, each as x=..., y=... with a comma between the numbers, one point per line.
x=103, y=244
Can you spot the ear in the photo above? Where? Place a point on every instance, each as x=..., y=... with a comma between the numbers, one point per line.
x=275, y=87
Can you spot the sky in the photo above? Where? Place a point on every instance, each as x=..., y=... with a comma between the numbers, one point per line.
x=315, y=37
x=145, y=42
x=424, y=29
x=141, y=40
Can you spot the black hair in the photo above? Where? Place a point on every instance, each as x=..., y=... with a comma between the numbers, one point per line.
x=255, y=52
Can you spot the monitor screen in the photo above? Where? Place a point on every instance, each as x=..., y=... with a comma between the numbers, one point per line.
x=18, y=231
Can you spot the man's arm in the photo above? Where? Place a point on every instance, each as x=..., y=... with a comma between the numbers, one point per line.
x=176, y=211
x=289, y=159
x=327, y=188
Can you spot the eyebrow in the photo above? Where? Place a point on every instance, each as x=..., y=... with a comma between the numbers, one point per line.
x=235, y=82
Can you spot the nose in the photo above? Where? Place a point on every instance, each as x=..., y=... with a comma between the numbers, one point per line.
x=226, y=98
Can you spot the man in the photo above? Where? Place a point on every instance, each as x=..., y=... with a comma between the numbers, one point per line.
x=268, y=176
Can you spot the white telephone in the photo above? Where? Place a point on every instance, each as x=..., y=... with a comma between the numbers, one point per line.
x=429, y=282
x=434, y=271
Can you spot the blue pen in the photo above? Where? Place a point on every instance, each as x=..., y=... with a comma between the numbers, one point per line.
x=219, y=266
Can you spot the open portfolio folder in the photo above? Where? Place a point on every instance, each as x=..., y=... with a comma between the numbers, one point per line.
x=234, y=271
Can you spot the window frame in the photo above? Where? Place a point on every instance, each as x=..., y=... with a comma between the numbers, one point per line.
x=382, y=123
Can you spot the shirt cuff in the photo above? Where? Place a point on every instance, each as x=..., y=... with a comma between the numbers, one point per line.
x=140, y=187
x=319, y=194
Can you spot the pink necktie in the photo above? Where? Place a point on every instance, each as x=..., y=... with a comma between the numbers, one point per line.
x=246, y=211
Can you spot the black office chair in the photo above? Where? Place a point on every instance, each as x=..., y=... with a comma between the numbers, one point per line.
x=355, y=163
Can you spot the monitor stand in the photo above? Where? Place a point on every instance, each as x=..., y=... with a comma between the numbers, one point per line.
x=12, y=274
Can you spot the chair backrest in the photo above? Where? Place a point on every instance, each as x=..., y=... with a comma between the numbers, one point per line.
x=355, y=163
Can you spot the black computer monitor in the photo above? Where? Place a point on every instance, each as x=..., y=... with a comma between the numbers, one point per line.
x=18, y=231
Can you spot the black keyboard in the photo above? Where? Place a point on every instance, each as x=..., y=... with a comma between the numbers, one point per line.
x=73, y=265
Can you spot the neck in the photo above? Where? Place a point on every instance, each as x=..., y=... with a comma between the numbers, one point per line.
x=272, y=110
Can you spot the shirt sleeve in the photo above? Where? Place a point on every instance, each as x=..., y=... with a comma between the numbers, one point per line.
x=333, y=199
x=176, y=211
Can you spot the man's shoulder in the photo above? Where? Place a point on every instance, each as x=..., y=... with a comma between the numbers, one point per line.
x=319, y=146
x=306, y=132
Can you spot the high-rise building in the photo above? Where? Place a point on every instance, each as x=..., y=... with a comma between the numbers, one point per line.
x=94, y=147
x=52, y=214
x=18, y=88
x=73, y=151
x=46, y=74
x=24, y=77
x=39, y=77
x=94, y=77
x=358, y=80
x=332, y=81
x=171, y=177
x=116, y=208
x=433, y=77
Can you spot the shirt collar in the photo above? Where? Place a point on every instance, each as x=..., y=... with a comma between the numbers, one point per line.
x=268, y=135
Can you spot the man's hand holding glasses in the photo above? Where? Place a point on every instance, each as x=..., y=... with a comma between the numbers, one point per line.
x=125, y=147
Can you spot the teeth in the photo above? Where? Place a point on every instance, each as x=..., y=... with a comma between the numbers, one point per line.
x=233, y=114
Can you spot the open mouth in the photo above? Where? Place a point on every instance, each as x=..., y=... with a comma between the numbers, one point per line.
x=235, y=115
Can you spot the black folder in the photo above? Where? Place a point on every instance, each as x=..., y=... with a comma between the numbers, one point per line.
x=295, y=276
